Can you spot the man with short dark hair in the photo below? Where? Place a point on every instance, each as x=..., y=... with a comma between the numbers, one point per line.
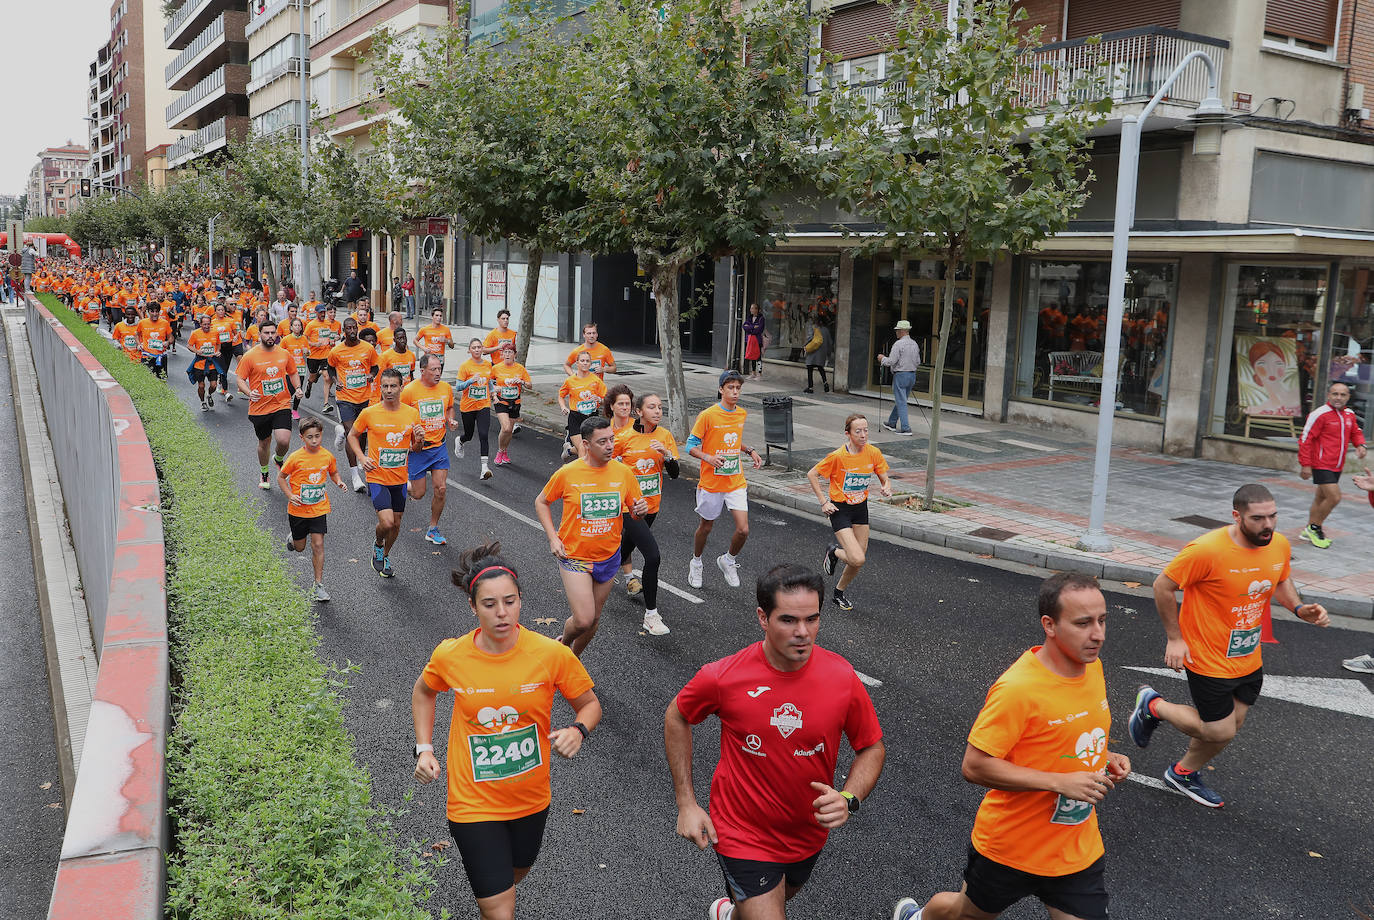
x=783, y=704
x=1229, y=578
x=267, y=375
x=1040, y=747
x=352, y=289
x=1330, y=431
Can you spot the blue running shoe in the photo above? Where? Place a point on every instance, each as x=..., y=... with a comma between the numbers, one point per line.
x=1142, y=725
x=433, y=536
x=906, y=909
x=378, y=559
x=1193, y=787
x=385, y=571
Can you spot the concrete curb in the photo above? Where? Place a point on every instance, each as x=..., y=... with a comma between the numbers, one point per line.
x=113, y=862
x=888, y=520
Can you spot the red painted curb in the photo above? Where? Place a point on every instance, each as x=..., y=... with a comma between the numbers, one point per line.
x=113, y=864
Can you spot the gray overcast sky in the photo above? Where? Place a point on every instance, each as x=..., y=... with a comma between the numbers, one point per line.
x=49, y=44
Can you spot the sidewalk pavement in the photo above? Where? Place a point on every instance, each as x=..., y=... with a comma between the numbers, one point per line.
x=1020, y=493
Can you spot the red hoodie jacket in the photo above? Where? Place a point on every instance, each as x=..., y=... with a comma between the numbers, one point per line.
x=1325, y=437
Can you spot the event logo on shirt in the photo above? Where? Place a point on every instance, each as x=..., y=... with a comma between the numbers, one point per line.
x=394, y=438
x=491, y=717
x=786, y=719
x=730, y=439
x=1260, y=588
x=1090, y=746
x=315, y=478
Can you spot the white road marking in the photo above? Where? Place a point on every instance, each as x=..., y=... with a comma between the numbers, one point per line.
x=1152, y=782
x=870, y=681
x=685, y=595
x=977, y=448
x=1029, y=445
x=1337, y=694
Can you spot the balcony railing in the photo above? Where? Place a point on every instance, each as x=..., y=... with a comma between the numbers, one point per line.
x=185, y=12
x=213, y=32
x=288, y=66
x=191, y=144
x=195, y=94
x=1135, y=62
x=260, y=13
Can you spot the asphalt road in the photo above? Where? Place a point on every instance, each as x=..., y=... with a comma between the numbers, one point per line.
x=936, y=630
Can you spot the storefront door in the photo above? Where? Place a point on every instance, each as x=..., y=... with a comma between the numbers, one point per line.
x=965, y=352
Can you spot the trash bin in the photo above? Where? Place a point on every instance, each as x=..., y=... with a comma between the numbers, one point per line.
x=777, y=426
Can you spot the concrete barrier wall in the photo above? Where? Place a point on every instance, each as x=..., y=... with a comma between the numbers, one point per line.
x=112, y=863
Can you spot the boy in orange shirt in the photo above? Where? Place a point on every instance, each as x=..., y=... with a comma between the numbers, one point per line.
x=391, y=428
x=1040, y=747
x=302, y=480
x=717, y=440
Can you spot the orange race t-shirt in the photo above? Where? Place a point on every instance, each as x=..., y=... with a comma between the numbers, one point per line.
x=403, y=362
x=322, y=334
x=299, y=348
x=601, y=358
x=126, y=337
x=1035, y=718
x=498, y=741
x=477, y=396
x=202, y=343
x=593, y=501
x=226, y=330
x=494, y=338
x=1226, y=590
x=851, y=474
x=432, y=339
x=584, y=394
x=266, y=373
x=388, y=440
x=721, y=433
x=154, y=335
x=509, y=380
x=353, y=365
x=307, y=473
x=635, y=450
x=433, y=403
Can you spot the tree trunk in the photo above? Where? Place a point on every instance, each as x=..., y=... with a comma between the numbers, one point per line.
x=937, y=381
x=665, y=278
x=320, y=276
x=270, y=273
x=526, y=331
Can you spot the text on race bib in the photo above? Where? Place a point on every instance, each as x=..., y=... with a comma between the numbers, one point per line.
x=477, y=391
x=224, y=336
x=600, y=506
x=509, y=394
x=596, y=367
x=391, y=457
x=648, y=485
x=354, y=380
x=504, y=755
x=311, y=495
x=586, y=406
x=1243, y=642
x=431, y=409
x=729, y=464
x=855, y=482
x=1070, y=811
x=273, y=387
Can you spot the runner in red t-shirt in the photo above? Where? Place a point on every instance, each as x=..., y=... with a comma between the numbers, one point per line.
x=783, y=704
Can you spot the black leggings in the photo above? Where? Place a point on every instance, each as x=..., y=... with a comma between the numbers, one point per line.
x=810, y=369
x=480, y=418
x=493, y=850
x=636, y=535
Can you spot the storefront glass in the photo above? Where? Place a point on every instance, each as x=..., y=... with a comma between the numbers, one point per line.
x=1063, y=325
x=1352, y=343
x=1268, y=350
x=795, y=288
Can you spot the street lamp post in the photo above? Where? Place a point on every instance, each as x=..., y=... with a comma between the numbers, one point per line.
x=1208, y=115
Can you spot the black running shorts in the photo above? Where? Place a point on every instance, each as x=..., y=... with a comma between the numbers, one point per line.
x=493, y=850
x=749, y=878
x=1215, y=697
x=265, y=424
x=993, y=887
x=847, y=515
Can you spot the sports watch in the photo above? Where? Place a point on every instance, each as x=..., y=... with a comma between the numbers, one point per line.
x=852, y=801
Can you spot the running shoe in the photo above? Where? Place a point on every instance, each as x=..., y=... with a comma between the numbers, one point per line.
x=1364, y=664
x=204, y=406
x=694, y=571
x=634, y=585
x=516, y=429
x=328, y=407
x=387, y=571
x=828, y=564
x=358, y=484
x=320, y=594
x=433, y=536
x=568, y=453
x=1142, y=724
x=265, y=483
x=906, y=909
x=841, y=601
x=290, y=545
x=339, y=435
x=1193, y=787
x=501, y=458
x=378, y=558
x=486, y=471
x=228, y=397
x=295, y=415
x=308, y=385
x=1313, y=534
x=893, y=429
x=210, y=400
x=721, y=909
x=729, y=569
x=653, y=625
x=458, y=448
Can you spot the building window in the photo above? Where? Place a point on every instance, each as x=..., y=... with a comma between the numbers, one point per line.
x=273, y=57
x=798, y=290
x=1268, y=348
x=1307, y=26
x=1063, y=323
x=283, y=116
x=1352, y=340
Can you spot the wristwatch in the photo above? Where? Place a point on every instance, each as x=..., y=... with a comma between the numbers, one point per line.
x=852, y=801
x=422, y=748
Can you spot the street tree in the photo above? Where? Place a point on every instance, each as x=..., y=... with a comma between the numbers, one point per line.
x=970, y=150
x=261, y=193
x=494, y=131
x=710, y=129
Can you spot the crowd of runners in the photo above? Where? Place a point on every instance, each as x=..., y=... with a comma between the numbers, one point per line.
x=1039, y=744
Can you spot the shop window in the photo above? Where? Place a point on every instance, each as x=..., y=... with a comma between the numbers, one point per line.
x=1063, y=325
x=1352, y=341
x=798, y=291
x=1268, y=350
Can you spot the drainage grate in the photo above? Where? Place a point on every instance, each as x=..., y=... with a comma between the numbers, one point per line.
x=991, y=533
x=1198, y=520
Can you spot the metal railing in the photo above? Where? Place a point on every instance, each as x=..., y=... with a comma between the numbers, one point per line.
x=189, y=145
x=319, y=30
x=288, y=66
x=213, y=31
x=183, y=13
x=260, y=15
x=195, y=94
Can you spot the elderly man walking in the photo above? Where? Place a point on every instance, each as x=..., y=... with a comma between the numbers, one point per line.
x=905, y=358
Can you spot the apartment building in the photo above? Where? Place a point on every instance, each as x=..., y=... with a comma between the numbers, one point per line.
x=1249, y=282
x=208, y=74
x=55, y=180
x=278, y=52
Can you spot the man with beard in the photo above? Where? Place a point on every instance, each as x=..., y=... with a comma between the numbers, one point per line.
x=1228, y=578
x=267, y=375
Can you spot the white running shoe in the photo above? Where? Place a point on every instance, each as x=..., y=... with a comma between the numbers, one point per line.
x=320, y=594
x=721, y=909
x=653, y=624
x=730, y=570
x=1361, y=665
x=486, y=471
x=458, y=449
x=694, y=571
x=358, y=484
x=339, y=435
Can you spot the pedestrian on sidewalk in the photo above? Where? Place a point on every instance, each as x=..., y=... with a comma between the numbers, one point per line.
x=28, y=261
x=753, y=343
x=1328, y=433
x=904, y=360
x=408, y=286
x=819, y=344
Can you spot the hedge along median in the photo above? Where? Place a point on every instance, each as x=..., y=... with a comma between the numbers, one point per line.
x=271, y=815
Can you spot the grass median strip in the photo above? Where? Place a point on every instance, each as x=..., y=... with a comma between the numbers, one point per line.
x=272, y=816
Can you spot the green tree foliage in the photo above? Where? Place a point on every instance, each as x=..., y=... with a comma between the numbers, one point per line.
x=964, y=155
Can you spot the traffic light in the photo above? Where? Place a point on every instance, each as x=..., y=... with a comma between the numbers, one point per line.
x=85, y=188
